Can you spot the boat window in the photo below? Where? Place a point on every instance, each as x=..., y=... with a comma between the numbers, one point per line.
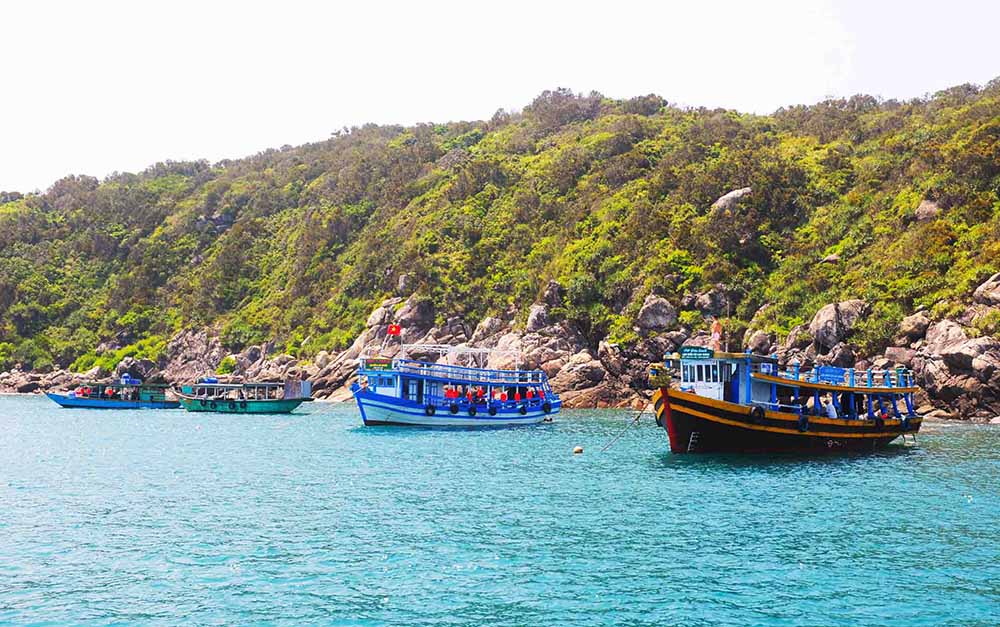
x=715, y=373
x=701, y=373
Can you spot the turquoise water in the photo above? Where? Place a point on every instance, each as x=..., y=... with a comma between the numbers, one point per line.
x=163, y=517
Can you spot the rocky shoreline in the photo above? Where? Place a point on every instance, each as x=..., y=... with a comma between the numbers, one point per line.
x=958, y=371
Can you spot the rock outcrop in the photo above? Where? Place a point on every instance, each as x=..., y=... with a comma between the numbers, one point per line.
x=656, y=314
x=989, y=292
x=730, y=199
x=191, y=354
x=912, y=328
x=832, y=323
x=927, y=210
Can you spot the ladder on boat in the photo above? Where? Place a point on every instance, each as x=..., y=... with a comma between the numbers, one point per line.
x=693, y=442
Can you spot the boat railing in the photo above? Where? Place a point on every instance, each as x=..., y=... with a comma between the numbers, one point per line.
x=833, y=375
x=463, y=402
x=474, y=375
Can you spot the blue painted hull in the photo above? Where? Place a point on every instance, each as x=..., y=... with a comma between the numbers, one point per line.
x=64, y=400
x=378, y=409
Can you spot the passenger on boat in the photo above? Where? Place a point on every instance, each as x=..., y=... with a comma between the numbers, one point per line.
x=479, y=394
x=529, y=394
x=831, y=409
x=517, y=395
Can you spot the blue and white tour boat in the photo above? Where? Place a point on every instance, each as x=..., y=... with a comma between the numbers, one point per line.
x=404, y=391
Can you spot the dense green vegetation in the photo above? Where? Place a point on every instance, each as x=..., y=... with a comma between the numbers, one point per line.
x=611, y=198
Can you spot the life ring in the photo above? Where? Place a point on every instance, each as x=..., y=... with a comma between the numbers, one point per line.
x=472, y=410
x=803, y=423
x=757, y=415
x=213, y=405
x=879, y=423
x=493, y=410
x=453, y=408
x=243, y=404
x=430, y=410
x=203, y=402
x=547, y=407
x=523, y=409
x=232, y=405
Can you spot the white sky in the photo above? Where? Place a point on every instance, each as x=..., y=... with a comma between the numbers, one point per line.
x=95, y=87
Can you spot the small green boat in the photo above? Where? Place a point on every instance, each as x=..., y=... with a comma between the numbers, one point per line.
x=244, y=398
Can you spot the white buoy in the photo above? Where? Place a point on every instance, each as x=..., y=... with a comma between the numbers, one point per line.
x=578, y=450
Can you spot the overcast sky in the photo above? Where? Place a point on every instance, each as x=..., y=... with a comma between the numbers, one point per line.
x=95, y=87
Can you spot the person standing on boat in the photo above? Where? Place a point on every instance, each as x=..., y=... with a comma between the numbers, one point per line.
x=716, y=333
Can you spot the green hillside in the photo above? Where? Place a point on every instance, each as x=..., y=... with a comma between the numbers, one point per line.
x=610, y=198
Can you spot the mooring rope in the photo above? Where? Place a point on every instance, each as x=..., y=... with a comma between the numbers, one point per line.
x=634, y=421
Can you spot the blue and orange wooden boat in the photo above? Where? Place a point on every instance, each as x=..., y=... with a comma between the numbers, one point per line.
x=710, y=401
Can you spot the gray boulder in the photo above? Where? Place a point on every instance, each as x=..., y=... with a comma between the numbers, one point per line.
x=759, y=343
x=416, y=312
x=538, y=317
x=798, y=338
x=714, y=301
x=927, y=210
x=142, y=369
x=989, y=292
x=487, y=330
x=656, y=314
x=913, y=328
x=841, y=355
x=942, y=334
x=731, y=199
x=833, y=323
x=901, y=356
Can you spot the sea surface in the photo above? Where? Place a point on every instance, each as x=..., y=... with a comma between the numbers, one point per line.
x=168, y=518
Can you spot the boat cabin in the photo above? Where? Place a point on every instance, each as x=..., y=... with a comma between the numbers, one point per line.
x=211, y=389
x=125, y=389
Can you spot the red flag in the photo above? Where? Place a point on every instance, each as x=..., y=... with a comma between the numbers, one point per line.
x=394, y=329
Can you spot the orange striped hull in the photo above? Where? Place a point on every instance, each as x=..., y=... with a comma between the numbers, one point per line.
x=699, y=424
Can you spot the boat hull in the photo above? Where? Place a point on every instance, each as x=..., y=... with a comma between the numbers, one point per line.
x=697, y=424
x=65, y=400
x=272, y=406
x=377, y=409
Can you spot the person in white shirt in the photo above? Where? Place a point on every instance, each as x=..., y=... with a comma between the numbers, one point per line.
x=831, y=409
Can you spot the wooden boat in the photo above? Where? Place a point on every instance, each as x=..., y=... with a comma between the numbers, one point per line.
x=126, y=393
x=209, y=395
x=401, y=391
x=710, y=401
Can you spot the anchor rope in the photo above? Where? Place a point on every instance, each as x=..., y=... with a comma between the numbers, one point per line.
x=634, y=421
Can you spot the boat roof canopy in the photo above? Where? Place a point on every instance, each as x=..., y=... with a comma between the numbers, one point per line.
x=236, y=386
x=703, y=352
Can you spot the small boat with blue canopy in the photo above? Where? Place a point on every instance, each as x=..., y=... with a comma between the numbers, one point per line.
x=711, y=401
x=404, y=391
x=125, y=393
